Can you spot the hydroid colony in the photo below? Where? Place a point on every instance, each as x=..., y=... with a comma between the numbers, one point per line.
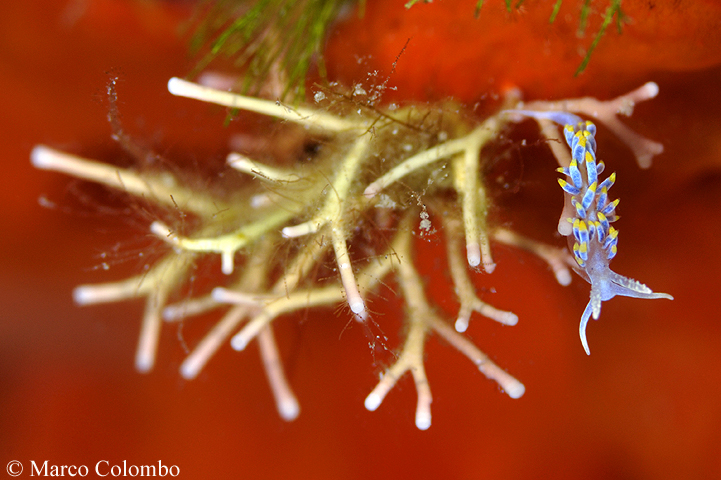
x=347, y=219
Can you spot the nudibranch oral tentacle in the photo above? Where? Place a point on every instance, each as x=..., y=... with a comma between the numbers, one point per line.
x=594, y=242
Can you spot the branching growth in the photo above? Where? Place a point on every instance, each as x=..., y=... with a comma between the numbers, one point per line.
x=344, y=221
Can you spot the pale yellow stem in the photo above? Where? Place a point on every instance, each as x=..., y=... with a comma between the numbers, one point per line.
x=463, y=285
x=162, y=189
x=294, y=301
x=508, y=383
x=345, y=269
x=285, y=400
x=226, y=244
x=211, y=342
x=171, y=271
x=332, y=209
x=606, y=112
x=304, y=116
x=411, y=357
x=246, y=165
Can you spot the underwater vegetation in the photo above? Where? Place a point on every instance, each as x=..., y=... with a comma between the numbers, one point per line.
x=331, y=227
x=370, y=220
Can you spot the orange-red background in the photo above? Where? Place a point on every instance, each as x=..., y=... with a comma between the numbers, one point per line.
x=644, y=405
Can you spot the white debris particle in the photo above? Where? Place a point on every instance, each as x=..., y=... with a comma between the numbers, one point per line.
x=425, y=222
x=384, y=201
x=359, y=90
x=44, y=202
x=260, y=200
x=319, y=97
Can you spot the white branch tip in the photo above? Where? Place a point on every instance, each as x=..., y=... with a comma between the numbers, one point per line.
x=177, y=87
x=423, y=418
x=190, y=368
x=648, y=90
x=44, y=158
x=288, y=409
x=87, y=295
x=489, y=266
x=161, y=230
x=144, y=361
x=223, y=295
x=299, y=230
x=239, y=341
x=514, y=388
x=371, y=190
x=373, y=401
x=227, y=262
x=506, y=318
x=461, y=324
x=473, y=252
x=357, y=306
x=563, y=276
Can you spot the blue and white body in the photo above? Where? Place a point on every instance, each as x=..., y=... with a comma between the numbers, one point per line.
x=594, y=241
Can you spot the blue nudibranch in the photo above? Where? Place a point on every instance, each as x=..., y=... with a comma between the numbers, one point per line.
x=595, y=241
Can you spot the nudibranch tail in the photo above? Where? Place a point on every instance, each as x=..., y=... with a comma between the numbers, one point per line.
x=606, y=284
x=582, y=327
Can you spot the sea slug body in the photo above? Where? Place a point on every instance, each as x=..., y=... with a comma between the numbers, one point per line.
x=594, y=242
